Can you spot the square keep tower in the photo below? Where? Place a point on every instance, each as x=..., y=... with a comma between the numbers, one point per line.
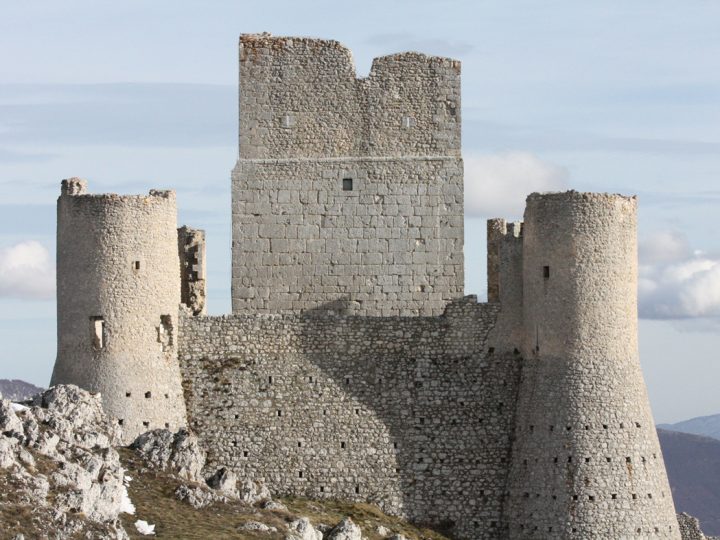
x=348, y=193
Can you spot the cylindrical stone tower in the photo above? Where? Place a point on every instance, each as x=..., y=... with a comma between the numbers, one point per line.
x=118, y=292
x=586, y=461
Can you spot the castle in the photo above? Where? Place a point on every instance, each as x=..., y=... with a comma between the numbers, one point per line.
x=352, y=367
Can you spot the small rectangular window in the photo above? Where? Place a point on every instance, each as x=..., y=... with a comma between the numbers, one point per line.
x=136, y=265
x=97, y=326
x=546, y=272
x=347, y=184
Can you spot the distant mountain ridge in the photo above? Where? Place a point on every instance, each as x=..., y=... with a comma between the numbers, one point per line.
x=709, y=426
x=17, y=390
x=693, y=468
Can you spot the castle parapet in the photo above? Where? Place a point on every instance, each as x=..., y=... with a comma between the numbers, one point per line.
x=300, y=98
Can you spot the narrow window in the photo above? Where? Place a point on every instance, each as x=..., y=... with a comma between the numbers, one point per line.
x=148, y=395
x=614, y=496
x=299, y=444
x=245, y=453
x=342, y=444
x=300, y=474
x=97, y=327
x=357, y=489
x=120, y=422
x=347, y=184
x=167, y=426
x=136, y=265
x=408, y=122
x=279, y=413
x=546, y=272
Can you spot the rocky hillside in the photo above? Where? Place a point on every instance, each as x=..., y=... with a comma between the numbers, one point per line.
x=708, y=426
x=17, y=390
x=62, y=477
x=693, y=466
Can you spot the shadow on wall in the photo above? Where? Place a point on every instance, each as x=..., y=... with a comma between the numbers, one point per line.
x=412, y=413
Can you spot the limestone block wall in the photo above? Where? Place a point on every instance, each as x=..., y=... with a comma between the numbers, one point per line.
x=393, y=245
x=586, y=458
x=350, y=189
x=412, y=413
x=118, y=291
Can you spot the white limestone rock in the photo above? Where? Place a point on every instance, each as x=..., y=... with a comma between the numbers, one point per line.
x=179, y=453
x=302, y=529
x=197, y=496
x=256, y=526
x=67, y=427
x=253, y=492
x=224, y=481
x=383, y=531
x=345, y=530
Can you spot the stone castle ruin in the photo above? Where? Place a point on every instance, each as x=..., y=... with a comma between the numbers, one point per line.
x=352, y=367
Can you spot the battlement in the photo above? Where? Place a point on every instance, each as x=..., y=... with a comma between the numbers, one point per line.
x=77, y=187
x=301, y=98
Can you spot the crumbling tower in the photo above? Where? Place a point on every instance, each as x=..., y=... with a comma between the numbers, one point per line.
x=586, y=459
x=348, y=194
x=118, y=293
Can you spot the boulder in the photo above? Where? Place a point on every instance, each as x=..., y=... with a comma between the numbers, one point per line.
x=345, y=530
x=178, y=453
x=224, y=481
x=302, y=529
x=253, y=492
x=256, y=526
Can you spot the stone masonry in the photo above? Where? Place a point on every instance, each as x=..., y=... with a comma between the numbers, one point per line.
x=348, y=192
x=352, y=366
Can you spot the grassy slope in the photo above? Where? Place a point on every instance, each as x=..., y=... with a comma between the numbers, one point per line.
x=152, y=494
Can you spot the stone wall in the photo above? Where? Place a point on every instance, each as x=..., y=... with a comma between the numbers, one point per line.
x=348, y=193
x=393, y=245
x=412, y=413
x=118, y=290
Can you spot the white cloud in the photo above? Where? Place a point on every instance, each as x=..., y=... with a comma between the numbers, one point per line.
x=26, y=271
x=675, y=282
x=496, y=185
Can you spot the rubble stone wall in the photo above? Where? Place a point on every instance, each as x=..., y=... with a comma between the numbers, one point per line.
x=412, y=413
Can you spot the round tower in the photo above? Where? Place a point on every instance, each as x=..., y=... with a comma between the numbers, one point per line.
x=118, y=295
x=586, y=460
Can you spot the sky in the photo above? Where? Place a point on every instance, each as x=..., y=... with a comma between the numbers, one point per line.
x=609, y=96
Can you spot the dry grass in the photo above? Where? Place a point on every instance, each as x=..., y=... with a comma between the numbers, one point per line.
x=152, y=493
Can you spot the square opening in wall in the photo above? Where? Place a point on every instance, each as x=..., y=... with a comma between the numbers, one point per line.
x=347, y=184
x=546, y=272
x=136, y=265
x=97, y=328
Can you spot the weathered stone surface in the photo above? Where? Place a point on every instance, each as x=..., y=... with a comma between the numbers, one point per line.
x=179, y=453
x=302, y=529
x=118, y=295
x=67, y=431
x=225, y=481
x=345, y=530
x=256, y=526
x=197, y=496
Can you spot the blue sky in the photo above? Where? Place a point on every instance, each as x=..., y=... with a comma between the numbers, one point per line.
x=603, y=96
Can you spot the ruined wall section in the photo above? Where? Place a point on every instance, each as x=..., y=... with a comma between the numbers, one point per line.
x=191, y=250
x=300, y=98
x=411, y=413
x=586, y=458
x=118, y=291
x=348, y=193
